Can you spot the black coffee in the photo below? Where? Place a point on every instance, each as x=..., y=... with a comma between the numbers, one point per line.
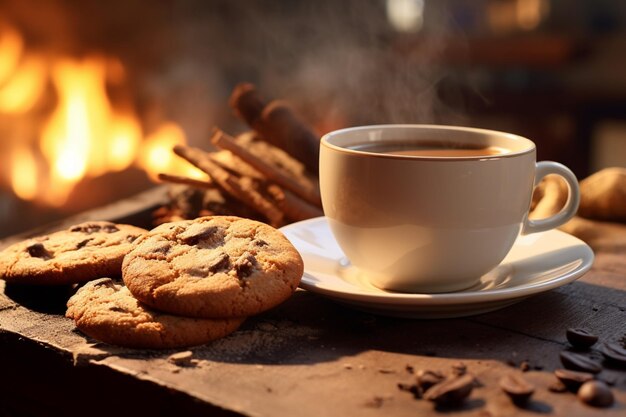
x=431, y=149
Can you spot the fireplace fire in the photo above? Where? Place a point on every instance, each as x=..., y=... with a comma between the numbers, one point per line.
x=61, y=124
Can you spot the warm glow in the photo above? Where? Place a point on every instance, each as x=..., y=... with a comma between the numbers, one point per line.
x=406, y=15
x=156, y=154
x=21, y=91
x=84, y=135
x=24, y=173
x=530, y=13
x=124, y=142
x=10, y=51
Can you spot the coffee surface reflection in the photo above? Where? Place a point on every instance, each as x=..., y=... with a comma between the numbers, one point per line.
x=427, y=149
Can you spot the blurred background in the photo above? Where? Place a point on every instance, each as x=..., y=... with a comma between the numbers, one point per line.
x=94, y=94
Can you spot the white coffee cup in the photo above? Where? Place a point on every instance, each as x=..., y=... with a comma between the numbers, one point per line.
x=431, y=224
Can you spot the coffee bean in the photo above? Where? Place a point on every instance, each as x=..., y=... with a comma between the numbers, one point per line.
x=517, y=388
x=615, y=353
x=427, y=378
x=581, y=338
x=572, y=380
x=596, y=393
x=578, y=362
x=452, y=391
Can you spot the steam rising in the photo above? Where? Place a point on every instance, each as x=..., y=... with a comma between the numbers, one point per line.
x=340, y=62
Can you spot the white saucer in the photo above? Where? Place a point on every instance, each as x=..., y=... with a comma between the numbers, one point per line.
x=537, y=263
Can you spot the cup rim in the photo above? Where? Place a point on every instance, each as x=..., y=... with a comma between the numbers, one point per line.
x=529, y=145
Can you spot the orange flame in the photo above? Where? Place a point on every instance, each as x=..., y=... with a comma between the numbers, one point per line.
x=157, y=156
x=11, y=46
x=24, y=173
x=85, y=136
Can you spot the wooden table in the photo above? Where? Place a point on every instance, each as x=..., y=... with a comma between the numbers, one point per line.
x=307, y=357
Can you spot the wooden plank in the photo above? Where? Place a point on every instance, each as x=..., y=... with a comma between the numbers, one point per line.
x=307, y=357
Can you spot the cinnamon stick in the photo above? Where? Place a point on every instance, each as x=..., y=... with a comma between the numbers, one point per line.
x=231, y=184
x=177, y=179
x=246, y=102
x=294, y=207
x=306, y=190
x=278, y=124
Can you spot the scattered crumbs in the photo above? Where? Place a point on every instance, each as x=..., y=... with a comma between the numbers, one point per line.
x=524, y=366
x=267, y=327
x=459, y=369
x=347, y=366
x=557, y=387
x=256, y=341
x=412, y=388
x=376, y=402
x=181, y=358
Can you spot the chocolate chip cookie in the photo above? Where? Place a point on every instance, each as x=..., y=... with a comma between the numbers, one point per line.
x=107, y=311
x=81, y=253
x=219, y=266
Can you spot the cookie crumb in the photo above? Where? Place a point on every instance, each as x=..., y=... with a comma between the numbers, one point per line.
x=181, y=358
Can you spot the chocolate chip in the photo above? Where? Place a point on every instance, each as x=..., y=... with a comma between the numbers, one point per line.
x=578, y=362
x=118, y=309
x=517, y=388
x=260, y=242
x=614, y=353
x=38, y=250
x=220, y=263
x=162, y=248
x=572, y=380
x=131, y=238
x=426, y=378
x=83, y=243
x=596, y=393
x=452, y=391
x=581, y=338
x=110, y=228
x=200, y=233
x=244, y=266
x=94, y=227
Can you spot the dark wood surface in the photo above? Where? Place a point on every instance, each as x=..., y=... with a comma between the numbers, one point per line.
x=307, y=357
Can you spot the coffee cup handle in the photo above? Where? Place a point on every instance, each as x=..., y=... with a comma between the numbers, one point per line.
x=544, y=168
